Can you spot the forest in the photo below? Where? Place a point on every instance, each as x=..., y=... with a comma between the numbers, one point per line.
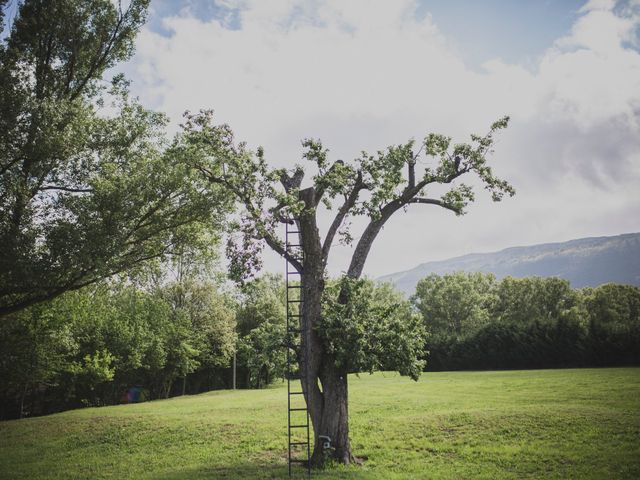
x=136, y=339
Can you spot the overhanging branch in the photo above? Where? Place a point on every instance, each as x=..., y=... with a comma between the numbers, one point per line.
x=289, y=182
x=280, y=250
x=434, y=201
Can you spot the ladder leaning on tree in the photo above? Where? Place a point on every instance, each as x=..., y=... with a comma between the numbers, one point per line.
x=298, y=424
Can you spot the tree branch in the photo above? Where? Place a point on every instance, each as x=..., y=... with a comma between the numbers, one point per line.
x=280, y=250
x=412, y=173
x=76, y=284
x=320, y=187
x=370, y=233
x=101, y=56
x=288, y=182
x=275, y=211
x=293, y=181
x=433, y=201
x=348, y=204
x=66, y=189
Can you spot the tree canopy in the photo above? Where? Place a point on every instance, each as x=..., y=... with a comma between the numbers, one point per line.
x=373, y=186
x=89, y=184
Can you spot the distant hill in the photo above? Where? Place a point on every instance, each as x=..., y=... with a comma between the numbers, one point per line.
x=584, y=262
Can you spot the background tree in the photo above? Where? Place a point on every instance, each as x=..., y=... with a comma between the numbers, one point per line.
x=525, y=322
x=261, y=330
x=521, y=300
x=36, y=349
x=373, y=186
x=456, y=303
x=210, y=328
x=614, y=324
x=88, y=187
x=91, y=346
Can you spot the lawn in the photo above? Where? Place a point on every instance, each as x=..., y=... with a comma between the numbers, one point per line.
x=582, y=423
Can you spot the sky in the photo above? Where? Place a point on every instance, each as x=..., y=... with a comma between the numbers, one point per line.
x=365, y=74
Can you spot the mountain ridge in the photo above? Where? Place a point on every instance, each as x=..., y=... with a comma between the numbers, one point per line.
x=589, y=261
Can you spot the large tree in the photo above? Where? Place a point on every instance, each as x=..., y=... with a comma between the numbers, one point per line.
x=88, y=186
x=455, y=304
x=372, y=186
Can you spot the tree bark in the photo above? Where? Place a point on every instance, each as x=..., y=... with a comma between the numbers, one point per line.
x=326, y=386
x=334, y=423
x=22, y=396
x=326, y=389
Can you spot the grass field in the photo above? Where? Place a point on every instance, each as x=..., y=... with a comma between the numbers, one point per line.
x=516, y=424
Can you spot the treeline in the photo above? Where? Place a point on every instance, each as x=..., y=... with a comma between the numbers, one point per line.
x=477, y=322
x=120, y=342
x=130, y=340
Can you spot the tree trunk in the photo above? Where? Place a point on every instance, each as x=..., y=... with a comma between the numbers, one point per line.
x=327, y=405
x=327, y=399
x=22, y=396
x=313, y=287
x=334, y=424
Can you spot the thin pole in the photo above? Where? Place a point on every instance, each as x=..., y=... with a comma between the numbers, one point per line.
x=234, y=369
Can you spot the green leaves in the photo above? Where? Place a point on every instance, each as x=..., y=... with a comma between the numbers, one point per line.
x=316, y=153
x=90, y=345
x=245, y=178
x=85, y=193
x=261, y=329
x=458, y=197
x=464, y=158
x=383, y=174
x=475, y=322
x=436, y=145
x=69, y=44
x=455, y=304
x=374, y=329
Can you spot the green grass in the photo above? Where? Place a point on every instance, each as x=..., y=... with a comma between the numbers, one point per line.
x=517, y=424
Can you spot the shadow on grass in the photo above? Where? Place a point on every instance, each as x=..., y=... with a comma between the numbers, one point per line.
x=259, y=471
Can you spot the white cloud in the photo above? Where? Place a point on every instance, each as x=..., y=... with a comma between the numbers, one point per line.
x=591, y=5
x=364, y=74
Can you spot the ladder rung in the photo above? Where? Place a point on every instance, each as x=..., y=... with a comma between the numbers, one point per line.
x=298, y=443
x=293, y=245
x=299, y=300
x=294, y=286
x=296, y=393
x=301, y=409
x=299, y=426
x=295, y=272
x=293, y=231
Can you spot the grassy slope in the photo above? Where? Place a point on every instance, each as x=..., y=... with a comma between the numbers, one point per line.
x=517, y=424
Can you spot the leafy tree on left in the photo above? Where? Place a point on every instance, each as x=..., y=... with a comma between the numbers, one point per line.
x=89, y=184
